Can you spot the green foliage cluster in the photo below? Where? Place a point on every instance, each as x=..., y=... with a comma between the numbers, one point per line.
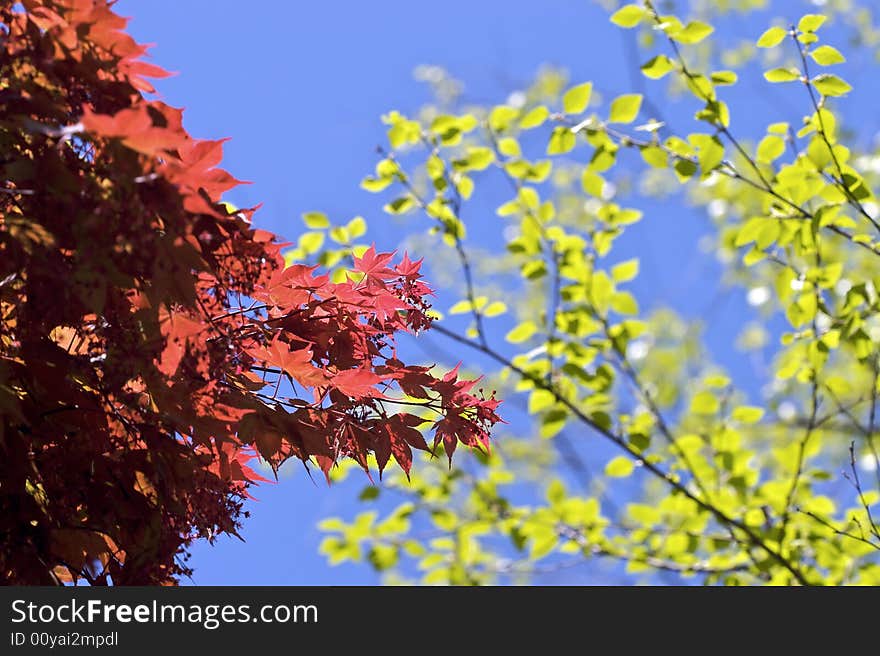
x=698, y=483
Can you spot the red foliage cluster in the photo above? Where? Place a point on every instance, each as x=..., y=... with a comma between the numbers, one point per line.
x=152, y=342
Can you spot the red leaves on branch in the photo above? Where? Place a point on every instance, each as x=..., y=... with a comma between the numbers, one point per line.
x=152, y=343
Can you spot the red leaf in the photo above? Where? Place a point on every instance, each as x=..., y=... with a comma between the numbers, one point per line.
x=297, y=363
x=374, y=265
x=356, y=383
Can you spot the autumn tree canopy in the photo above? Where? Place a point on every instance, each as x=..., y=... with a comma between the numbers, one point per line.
x=153, y=341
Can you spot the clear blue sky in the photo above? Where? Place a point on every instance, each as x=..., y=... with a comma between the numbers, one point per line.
x=299, y=87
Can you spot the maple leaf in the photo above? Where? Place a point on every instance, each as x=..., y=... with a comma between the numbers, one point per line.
x=404, y=437
x=178, y=330
x=356, y=383
x=296, y=363
x=407, y=268
x=374, y=265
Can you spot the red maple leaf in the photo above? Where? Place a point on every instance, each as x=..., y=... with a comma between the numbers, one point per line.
x=296, y=363
x=373, y=264
x=356, y=383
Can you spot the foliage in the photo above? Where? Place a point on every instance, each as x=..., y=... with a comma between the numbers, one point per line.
x=154, y=342
x=699, y=481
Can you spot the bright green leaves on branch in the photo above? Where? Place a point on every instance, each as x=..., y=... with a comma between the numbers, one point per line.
x=806, y=27
x=480, y=305
x=791, y=225
x=387, y=172
x=450, y=129
x=402, y=131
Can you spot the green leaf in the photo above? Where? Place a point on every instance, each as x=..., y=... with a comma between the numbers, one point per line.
x=501, y=117
x=476, y=158
x=316, y=220
x=710, y=151
x=311, y=242
x=576, y=99
x=831, y=85
x=619, y=467
x=369, y=493
x=705, y=403
x=543, y=542
x=534, y=117
x=684, y=169
x=811, y=22
x=782, y=74
x=625, y=271
x=479, y=157
x=374, y=184
x=629, y=16
x=693, y=32
x=624, y=303
x=522, y=332
x=624, y=109
x=402, y=130
x=461, y=307
x=770, y=148
x=509, y=146
x=400, y=205
x=331, y=524
x=592, y=183
x=555, y=492
x=340, y=235
x=561, y=141
x=552, y=422
x=747, y=414
x=657, y=67
x=717, y=381
x=827, y=56
x=540, y=400
x=357, y=227
x=772, y=37
x=534, y=270
x=723, y=78
x=494, y=309
x=655, y=156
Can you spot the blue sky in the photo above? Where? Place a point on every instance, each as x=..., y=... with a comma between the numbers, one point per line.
x=300, y=86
